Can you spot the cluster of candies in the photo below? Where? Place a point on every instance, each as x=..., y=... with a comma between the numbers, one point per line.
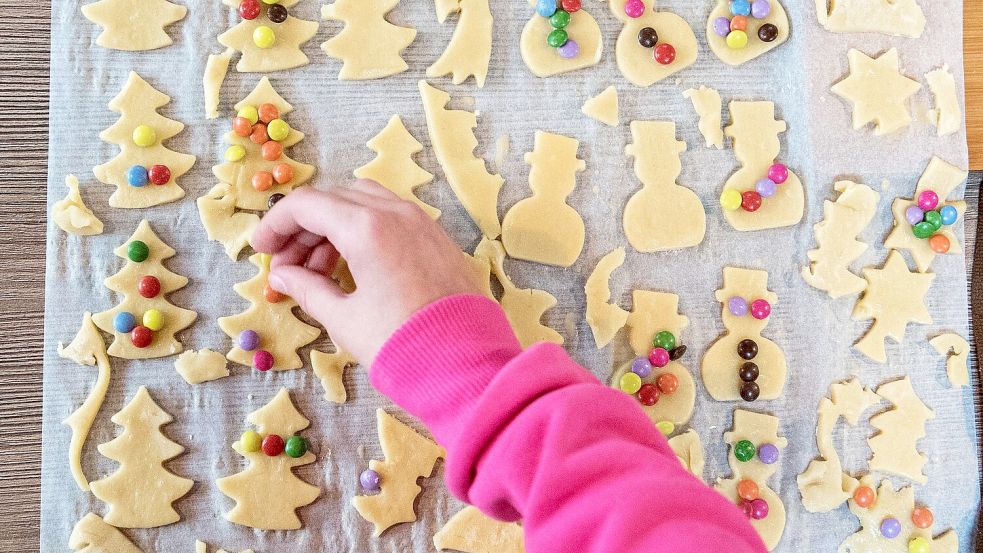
x=262, y=359
x=558, y=12
x=921, y=517
x=926, y=218
x=148, y=286
x=750, y=200
x=370, y=480
x=263, y=36
x=734, y=28
x=664, y=349
x=138, y=175
x=272, y=445
x=664, y=53
x=754, y=506
x=264, y=128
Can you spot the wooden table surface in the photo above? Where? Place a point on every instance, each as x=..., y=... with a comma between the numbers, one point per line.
x=24, y=152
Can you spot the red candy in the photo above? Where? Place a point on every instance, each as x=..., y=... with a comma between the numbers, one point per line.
x=272, y=445
x=249, y=9
x=159, y=174
x=141, y=336
x=864, y=496
x=148, y=286
x=665, y=53
x=750, y=201
x=922, y=518
x=263, y=360
x=272, y=295
x=268, y=112
x=648, y=394
x=259, y=135
x=570, y=5
x=242, y=127
x=668, y=383
x=272, y=150
x=283, y=173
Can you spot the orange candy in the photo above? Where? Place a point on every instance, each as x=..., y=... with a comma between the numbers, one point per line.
x=922, y=517
x=272, y=295
x=738, y=23
x=667, y=383
x=268, y=112
x=864, y=496
x=939, y=243
x=748, y=490
x=283, y=173
x=259, y=135
x=272, y=150
x=242, y=126
x=263, y=181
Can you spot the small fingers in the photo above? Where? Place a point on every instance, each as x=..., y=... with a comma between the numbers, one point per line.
x=317, y=294
x=323, y=259
x=306, y=209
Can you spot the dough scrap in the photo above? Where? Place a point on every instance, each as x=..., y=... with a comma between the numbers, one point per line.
x=656, y=152
x=445, y=8
x=895, y=296
x=470, y=531
x=877, y=91
x=366, y=24
x=754, y=134
x=453, y=141
x=267, y=493
x=706, y=102
x=141, y=491
x=216, y=68
x=280, y=331
x=202, y=547
x=946, y=116
x=125, y=281
x=544, y=60
x=71, y=213
x=955, y=349
x=394, y=167
x=205, y=365
x=689, y=451
x=824, y=485
x=93, y=535
x=408, y=456
x=755, y=46
x=286, y=52
x=759, y=429
x=86, y=349
x=330, y=368
x=942, y=178
x=895, y=447
x=721, y=363
x=133, y=25
x=603, y=107
x=605, y=319
x=469, y=50
x=890, y=17
x=544, y=228
x=137, y=105
x=480, y=266
x=829, y=264
x=223, y=224
x=635, y=62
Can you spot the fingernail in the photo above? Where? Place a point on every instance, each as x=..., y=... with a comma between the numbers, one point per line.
x=277, y=283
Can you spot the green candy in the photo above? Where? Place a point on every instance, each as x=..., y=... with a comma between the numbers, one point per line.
x=933, y=218
x=923, y=230
x=557, y=38
x=560, y=19
x=744, y=451
x=665, y=340
x=296, y=447
x=137, y=251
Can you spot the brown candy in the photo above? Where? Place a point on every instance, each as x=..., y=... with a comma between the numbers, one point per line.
x=277, y=13
x=750, y=391
x=768, y=32
x=677, y=353
x=747, y=349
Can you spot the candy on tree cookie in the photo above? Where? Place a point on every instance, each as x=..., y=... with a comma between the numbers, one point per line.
x=890, y=17
x=366, y=24
x=205, y=365
x=269, y=37
x=955, y=349
x=603, y=107
x=895, y=448
x=560, y=37
x=946, y=116
x=740, y=30
x=470, y=531
x=652, y=45
x=71, y=213
x=605, y=319
x=93, y=535
x=706, y=102
x=689, y=451
x=469, y=51
x=330, y=369
x=877, y=91
x=133, y=25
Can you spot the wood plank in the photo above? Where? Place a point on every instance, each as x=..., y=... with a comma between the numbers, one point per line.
x=973, y=62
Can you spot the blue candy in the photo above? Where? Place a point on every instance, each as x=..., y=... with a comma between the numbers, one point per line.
x=740, y=7
x=137, y=176
x=546, y=8
x=949, y=214
x=124, y=322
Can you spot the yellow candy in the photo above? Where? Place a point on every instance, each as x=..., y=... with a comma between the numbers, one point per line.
x=918, y=545
x=249, y=113
x=264, y=37
x=144, y=136
x=271, y=1
x=264, y=259
x=630, y=383
x=153, y=319
x=235, y=153
x=278, y=129
x=665, y=427
x=250, y=441
x=736, y=39
x=730, y=199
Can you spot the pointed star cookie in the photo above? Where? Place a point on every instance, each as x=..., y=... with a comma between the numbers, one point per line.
x=878, y=91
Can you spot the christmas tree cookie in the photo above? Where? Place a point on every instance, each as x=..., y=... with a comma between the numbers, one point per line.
x=268, y=36
x=469, y=51
x=739, y=31
x=145, y=172
x=470, y=531
x=93, y=535
x=560, y=37
x=365, y=23
x=144, y=323
x=133, y=24
x=652, y=45
x=895, y=448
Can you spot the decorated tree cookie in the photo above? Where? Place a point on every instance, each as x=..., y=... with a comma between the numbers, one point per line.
x=649, y=211
x=894, y=448
x=605, y=319
x=544, y=228
x=652, y=45
x=469, y=51
x=741, y=30
x=330, y=368
x=133, y=24
x=93, y=535
x=877, y=91
x=143, y=325
x=755, y=450
x=408, y=456
x=890, y=17
x=560, y=37
x=267, y=493
x=268, y=35
x=365, y=24
x=268, y=334
x=763, y=193
x=145, y=172
x=742, y=364
x=470, y=531
x=71, y=213
x=141, y=491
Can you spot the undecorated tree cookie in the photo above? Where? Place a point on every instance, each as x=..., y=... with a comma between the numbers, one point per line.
x=134, y=25
x=366, y=24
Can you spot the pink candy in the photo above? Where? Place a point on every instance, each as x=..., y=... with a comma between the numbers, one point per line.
x=659, y=357
x=263, y=360
x=635, y=8
x=760, y=309
x=928, y=200
x=778, y=173
x=759, y=509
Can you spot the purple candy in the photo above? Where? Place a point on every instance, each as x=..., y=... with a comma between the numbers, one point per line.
x=721, y=26
x=641, y=367
x=248, y=340
x=569, y=50
x=914, y=215
x=737, y=306
x=890, y=528
x=766, y=187
x=768, y=454
x=369, y=479
x=760, y=9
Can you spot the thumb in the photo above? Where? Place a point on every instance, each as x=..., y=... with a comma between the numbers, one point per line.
x=319, y=296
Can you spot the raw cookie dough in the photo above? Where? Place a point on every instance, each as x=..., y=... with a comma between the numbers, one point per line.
x=469, y=50
x=895, y=296
x=72, y=215
x=955, y=349
x=946, y=116
x=408, y=456
x=205, y=365
x=706, y=102
x=330, y=368
x=470, y=531
x=848, y=216
x=895, y=448
x=877, y=91
x=175, y=319
x=133, y=25
x=689, y=451
x=603, y=107
x=216, y=68
x=942, y=178
x=286, y=51
x=605, y=319
x=636, y=62
x=394, y=167
x=891, y=17
x=141, y=491
x=137, y=105
x=223, y=224
x=267, y=493
x=86, y=349
x=755, y=46
x=759, y=429
x=662, y=215
x=281, y=332
x=202, y=547
x=754, y=135
x=369, y=46
x=824, y=485
x=544, y=60
x=721, y=363
x=544, y=228
x=93, y=535
x=453, y=141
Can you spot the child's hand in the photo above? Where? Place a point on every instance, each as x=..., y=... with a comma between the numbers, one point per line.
x=401, y=260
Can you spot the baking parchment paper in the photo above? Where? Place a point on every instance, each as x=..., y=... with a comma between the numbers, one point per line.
x=339, y=117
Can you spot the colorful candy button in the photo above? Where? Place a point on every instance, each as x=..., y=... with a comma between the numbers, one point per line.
x=919, y=545
x=272, y=150
x=560, y=19
x=750, y=391
x=369, y=480
x=153, y=319
x=664, y=340
x=750, y=200
x=768, y=454
x=933, y=218
x=939, y=243
x=748, y=490
x=249, y=113
x=248, y=340
x=268, y=112
x=740, y=7
x=148, y=286
x=767, y=32
x=235, y=153
x=666, y=427
x=641, y=367
x=760, y=309
x=778, y=172
x=124, y=321
x=250, y=441
x=263, y=360
x=249, y=9
x=546, y=8
x=144, y=136
x=744, y=451
x=665, y=54
x=137, y=251
x=295, y=447
x=272, y=445
x=137, y=176
x=760, y=9
x=634, y=8
x=759, y=509
x=730, y=199
x=949, y=214
x=648, y=37
x=271, y=295
x=659, y=357
x=141, y=336
x=274, y=198
x=737, y=306
x=890, y=527
x=914, y=215
x=557, y=38
x=864, y=496
x=922, y=517
x=749, y=372
x=738, y=23
x=922, y=230
x=667, y=383
x=928, y=200
x=264, y=37
x=721, y=26
x=747, y=349
x=278, y=129
x=766, y=187
x=262, y=181
x=630, y=383
x=159, y=174
x=569, y=50
x=649, y=394
x=571, y=6
x=259, y=136
x=277, y=13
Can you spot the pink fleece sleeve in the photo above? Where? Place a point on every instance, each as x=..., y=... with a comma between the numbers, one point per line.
x=531, y=435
